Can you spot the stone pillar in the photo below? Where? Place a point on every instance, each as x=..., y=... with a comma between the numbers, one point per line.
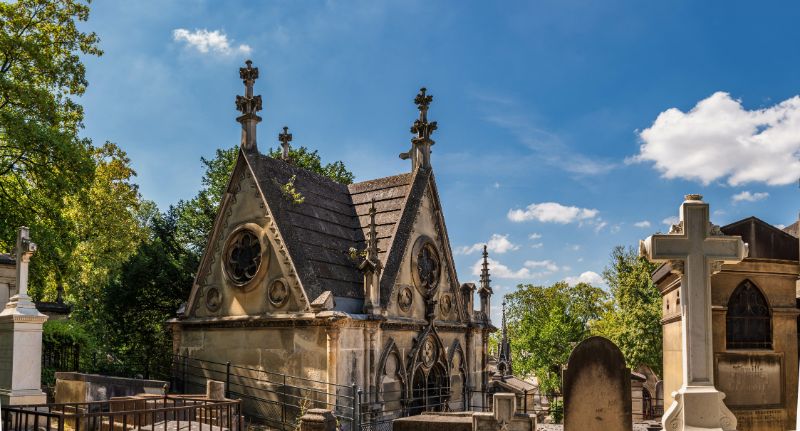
x=215, y=390
x=21, y=337
x=333, y=353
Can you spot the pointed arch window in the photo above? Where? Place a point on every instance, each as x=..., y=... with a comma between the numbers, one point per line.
x=748, y=322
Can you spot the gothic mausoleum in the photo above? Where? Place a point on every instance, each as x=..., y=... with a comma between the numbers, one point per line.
x=337, y=285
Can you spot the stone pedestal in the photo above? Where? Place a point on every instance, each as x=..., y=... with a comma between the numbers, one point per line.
x=318, y=420
x=21, y=356
x=699, y=408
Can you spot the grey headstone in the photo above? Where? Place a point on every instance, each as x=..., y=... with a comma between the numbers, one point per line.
x=597, y=388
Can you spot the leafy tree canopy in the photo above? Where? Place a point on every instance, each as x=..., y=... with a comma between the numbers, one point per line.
x=632, y=319
x=42, y=158
x=545, y=324
x=311, y=161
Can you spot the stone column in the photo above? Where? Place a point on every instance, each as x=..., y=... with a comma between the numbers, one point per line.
x=21, y=337
x=333, y=353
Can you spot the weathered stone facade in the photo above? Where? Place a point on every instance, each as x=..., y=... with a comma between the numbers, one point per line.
x=756, y=368
x=346, y=284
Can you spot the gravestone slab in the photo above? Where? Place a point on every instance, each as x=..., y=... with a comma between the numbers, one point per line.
x=752, y=380
x=597, y=388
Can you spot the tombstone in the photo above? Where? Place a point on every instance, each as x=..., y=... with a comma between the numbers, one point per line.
x=597, y=388
x=696, y=249
x=21, y=337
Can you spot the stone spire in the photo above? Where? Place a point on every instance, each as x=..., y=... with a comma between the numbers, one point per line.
x=485, y=291
x=504, y=356
x=420, y=153
x=371, y=266
x=285, y=138
x=248, y=105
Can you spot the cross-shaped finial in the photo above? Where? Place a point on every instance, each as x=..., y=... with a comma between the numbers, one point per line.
x=285, y=138
x=421, y=126
x=248, y=105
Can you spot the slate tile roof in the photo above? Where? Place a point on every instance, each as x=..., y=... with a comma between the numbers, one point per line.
x=332, y=219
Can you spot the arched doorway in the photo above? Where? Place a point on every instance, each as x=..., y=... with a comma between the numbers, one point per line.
x=429, y=391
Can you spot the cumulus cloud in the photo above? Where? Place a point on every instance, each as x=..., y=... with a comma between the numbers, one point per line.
x=746, y=196
x=552, y=212
x=534, y=236
x=537, y=245
x=720, y=140
x=600, y=225
x=642, y=224
x=547, y=265
x=669, y=221
x=589, y=277
x=205, y=41
x=497, y=244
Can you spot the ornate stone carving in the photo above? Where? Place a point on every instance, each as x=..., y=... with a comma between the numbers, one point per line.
x=428, y=353
x=426, y=266
x=677, y=266
x=676, y=229
x=213, y=299
x=242, y=256
x=446, y=304
x=278, y=292
x=405, y=297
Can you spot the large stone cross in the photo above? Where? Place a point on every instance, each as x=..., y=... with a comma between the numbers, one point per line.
x=21, y=303
x=696, y=249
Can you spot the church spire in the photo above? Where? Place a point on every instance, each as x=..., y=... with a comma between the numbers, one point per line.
x=504, y=356
x=420, y=153
x=248, y=105
x=485, y=291
x=285, y=138
x=371, y=266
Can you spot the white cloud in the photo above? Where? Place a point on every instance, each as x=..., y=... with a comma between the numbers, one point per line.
x=746, y=196
x=205, y=41
x=600, y=226
x=496, y=244
x=669, y=221
x=642, y=224
x=552, y=212
x=780, y=226
x=616, y=228
x=548, y=265
x=534, y=236
x=496, y=185
x=575, y=247
x=537, y=245
x=719, y=139
x=589, y=277
x=498, y=270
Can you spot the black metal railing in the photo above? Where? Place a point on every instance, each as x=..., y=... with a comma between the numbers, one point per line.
x=157, y=413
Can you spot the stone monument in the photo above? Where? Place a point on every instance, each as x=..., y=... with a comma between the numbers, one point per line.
x=696, y=249
x=597, y=388
x=21, y=336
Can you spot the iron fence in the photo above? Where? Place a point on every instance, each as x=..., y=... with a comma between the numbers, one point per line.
x=157, y=413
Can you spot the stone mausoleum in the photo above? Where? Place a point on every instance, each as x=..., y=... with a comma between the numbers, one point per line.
x=754, y=326
x=346, y=284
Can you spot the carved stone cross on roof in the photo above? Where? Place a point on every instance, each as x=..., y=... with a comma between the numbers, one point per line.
x=420, y=152
x=285, y=138
x=696, y=249
x=248, y=105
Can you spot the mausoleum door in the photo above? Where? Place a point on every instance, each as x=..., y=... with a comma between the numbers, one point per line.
x=429, y=390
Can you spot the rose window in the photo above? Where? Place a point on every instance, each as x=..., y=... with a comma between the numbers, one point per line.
x=243, y=257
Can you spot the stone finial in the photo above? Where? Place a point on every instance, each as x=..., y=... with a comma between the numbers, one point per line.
x=285, y=138
x=248, y=105
x=504, y=355
x=485, y=280
x=371, y=265
x=420, y=153
x=693, y=197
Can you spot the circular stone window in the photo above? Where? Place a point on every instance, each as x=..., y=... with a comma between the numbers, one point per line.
x=242, y=256
x=426, y=266
x=278, y=293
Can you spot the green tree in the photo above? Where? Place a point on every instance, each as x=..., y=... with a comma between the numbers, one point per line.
x=545, y=324
x=42, y=158
x=633, y=317
x=150, y=287
x=311, y=161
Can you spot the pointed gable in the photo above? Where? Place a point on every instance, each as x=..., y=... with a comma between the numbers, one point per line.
x=765, y=240
x=793, y=229
x=321, y=232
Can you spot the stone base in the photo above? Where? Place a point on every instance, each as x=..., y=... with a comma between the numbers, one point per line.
x=18, y=398
x=698, y=408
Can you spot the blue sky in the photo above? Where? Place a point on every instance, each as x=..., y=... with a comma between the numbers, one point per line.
x=565, y=127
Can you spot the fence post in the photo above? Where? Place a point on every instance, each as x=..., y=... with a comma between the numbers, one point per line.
x=357, y=408
x=525, y=401
x=283, y=401
x=228, y=380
